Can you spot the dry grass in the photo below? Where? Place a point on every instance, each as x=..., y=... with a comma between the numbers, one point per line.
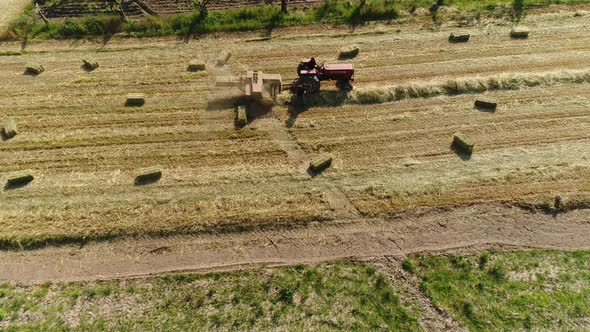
x=84, y=146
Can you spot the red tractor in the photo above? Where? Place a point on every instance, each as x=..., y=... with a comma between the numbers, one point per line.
x=311, y=74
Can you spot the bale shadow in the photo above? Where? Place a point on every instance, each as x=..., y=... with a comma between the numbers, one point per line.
x=145, y=180
x=485, y=109
x=17, y=184
x=3, y=135
x=463, y=155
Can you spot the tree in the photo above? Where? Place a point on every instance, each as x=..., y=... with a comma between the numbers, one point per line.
x=284, y=6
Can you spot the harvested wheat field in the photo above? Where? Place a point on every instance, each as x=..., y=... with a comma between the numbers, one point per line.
x=390, y=138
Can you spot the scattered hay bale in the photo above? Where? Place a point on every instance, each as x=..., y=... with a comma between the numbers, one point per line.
x=462, y=143
x=89, y=65
x=10, y=130
x=18, y=179
x=320, y=164
x=459, y=38
x=223, y=59
x=241, y=116
x=195, y=65
x=521, y=32
x=34, y=70
x=135, y=99
x=349, y=52
x=486, y=103
x=147, y=175
x=258, y=39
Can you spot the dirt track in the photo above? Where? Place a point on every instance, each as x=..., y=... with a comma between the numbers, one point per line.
x=422, y=230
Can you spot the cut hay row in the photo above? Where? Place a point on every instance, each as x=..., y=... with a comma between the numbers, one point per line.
x=459, y=86
x=10, y=130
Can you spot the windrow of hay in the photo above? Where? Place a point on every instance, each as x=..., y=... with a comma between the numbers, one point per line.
x=375, y=95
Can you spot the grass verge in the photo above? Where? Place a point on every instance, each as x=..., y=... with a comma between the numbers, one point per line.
x=539, y=290
x=106, y=23
x=332, y=296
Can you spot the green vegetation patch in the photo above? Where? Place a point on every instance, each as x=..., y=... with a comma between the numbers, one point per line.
x=332, y=296
x=544, y=290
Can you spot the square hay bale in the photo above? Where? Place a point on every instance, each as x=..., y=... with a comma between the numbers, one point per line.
x=320, y=164
x=89, y=65
x=459, y=37
x=147, y=175
x=135, y=99
x=241, y=116
x=196, y=65
x=34, y=70
x=10, y=130
x=349, y=52
x=521, y=32
x=18, y=179
x=486, y=104
x=223, y=59
x=462, y=143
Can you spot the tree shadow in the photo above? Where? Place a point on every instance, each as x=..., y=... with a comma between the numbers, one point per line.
x=463, y=155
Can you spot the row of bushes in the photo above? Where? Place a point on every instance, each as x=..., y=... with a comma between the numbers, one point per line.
x=244, y=19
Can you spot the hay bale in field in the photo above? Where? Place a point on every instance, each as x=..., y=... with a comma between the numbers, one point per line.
x=10, y=130
x=459, y=37
x=195, y=65
x=349, y=52
x=486, y=104
x=18, y=179
x=34, y=70
x=461, y=143
x=241, y=116
x=320, y=164
x=89, y=65
x=135, y=99
x=147, y=175
x=521, y=32
x=223, y=59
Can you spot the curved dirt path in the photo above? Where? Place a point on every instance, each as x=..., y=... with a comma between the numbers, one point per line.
x=368, y=239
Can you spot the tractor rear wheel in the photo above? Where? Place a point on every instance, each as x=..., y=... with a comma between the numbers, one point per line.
x=344, y=85
x=310, y=84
